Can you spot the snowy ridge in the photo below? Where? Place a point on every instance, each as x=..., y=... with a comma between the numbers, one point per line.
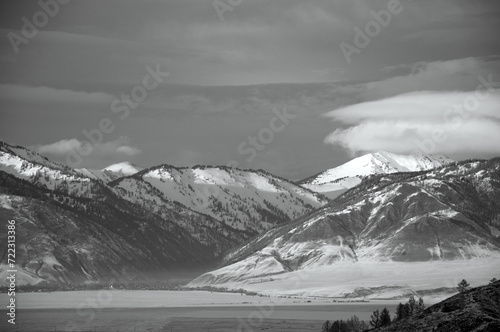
x=30, y=166
x=31, y=156
x=350, y=174
x=112, y=172
x=250, y=201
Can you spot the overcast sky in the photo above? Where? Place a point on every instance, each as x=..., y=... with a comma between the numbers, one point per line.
x=288, y=86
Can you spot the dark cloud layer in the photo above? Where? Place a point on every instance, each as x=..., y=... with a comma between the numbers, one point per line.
x=65, y=79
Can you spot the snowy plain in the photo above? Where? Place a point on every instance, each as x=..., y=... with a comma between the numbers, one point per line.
x=372, y=280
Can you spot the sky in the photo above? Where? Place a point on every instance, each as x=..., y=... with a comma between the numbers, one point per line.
x=292, y=87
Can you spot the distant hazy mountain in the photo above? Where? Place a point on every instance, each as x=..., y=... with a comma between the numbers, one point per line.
x=78, y=226
x=416, y=225
x=111, y=172
x=335, y=181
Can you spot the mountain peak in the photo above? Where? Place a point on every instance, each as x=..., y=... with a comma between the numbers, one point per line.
x=338, y=179
x=125, y=168
x=112, y=172
x=411, y=162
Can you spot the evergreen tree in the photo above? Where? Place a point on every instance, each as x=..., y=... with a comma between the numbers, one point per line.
x=385, y=317
x=326, y=326
x=420, y=306
x=407, y=309
x=413, y=305
x=463, y=286
x=375, y=319
x=355, y=325
x=400, y=312
x=339, y=326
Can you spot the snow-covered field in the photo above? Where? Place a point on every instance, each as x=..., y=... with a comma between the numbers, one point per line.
x=119, y=310
x=371, y=279
x=134, y=299
x=181, y=311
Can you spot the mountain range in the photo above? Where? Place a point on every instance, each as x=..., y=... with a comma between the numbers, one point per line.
x=82, y=225
x=399, y=218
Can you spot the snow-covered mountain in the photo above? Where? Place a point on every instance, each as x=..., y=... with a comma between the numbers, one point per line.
x=111, y=172
x=395, y=233
x=400, y=222
x=335, y=181
x=78, y=229
x=246, y=200
x=28, y=165
x=78, y=226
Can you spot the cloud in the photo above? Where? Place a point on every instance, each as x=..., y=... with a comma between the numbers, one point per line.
x=60, y=147
x=43, y=94
x=258, y=42
x=426, y=122
x=115, y=148
x=128, y=150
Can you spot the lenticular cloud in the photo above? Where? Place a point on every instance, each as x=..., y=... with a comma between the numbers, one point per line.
x=427, y=122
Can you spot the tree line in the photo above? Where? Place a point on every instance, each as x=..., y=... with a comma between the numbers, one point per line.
x=377, y=319
x=382, y=318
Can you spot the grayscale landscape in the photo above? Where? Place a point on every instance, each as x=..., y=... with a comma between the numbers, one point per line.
x=250, y=165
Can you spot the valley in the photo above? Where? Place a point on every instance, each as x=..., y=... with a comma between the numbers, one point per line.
x=245, y=238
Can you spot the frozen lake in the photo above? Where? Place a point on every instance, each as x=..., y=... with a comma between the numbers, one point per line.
x=270, y=318
x=117, y=310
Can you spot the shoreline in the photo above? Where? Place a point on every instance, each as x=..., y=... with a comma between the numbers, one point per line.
x=140, y=299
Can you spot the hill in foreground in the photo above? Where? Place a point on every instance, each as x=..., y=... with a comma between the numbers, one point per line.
x=477, y=309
